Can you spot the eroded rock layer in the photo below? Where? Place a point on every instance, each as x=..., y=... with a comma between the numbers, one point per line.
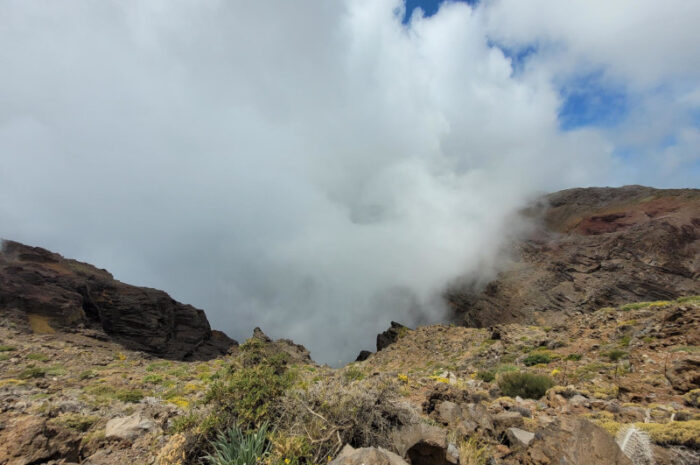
x=594, y=247
x=45, y=292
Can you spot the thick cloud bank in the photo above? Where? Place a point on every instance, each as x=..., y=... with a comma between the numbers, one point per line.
x=314, y=168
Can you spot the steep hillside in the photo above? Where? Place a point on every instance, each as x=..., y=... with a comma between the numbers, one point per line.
x=43, y=292
x=592, y=248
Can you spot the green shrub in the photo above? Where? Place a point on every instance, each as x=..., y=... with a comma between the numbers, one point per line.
x=536, y=358
x=153, y=379
x=486, y=375
x=77, y=422
x=33, y=372
x=184, y=423
x=625, y=341
x=129, y=395
x=234, y=447
x=353, y=373
x=7, y=348
x=87, y=374
x=246, y=396
x=615, y=355
x=526, y=385
x=38, y=357
x=574, y=357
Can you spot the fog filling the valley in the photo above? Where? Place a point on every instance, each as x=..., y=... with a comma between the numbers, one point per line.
x=314, y=168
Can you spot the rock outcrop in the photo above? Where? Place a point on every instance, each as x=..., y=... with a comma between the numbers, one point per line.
x=46, y=292
x=593, y=248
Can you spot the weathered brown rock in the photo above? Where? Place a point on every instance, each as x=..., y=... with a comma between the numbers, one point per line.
x=594, y=248
x=574, y=440
x=30, y=440
x=390, y=336
x=367, y=456
x=50, y=292
x=684, y=373
x=423, y=444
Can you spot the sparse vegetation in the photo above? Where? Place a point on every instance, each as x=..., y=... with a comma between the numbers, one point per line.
x=526, y=385
x=78, y=422
x=471, y=452
x=353, y=373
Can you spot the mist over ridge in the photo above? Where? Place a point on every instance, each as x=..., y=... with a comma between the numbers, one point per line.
x=319, y=168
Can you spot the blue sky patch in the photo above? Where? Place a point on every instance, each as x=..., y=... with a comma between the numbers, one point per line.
x=589, y=101
x=429, y=7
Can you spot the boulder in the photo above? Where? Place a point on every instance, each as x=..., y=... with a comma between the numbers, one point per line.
x=477, y=414
x=519, y=437
x=363, y=355
x=449, y=413
x=423, y=444
x=505, y=420
x=30, y=439
x=684, y=373
x=573, y=440
x=129, y=428
x=367, y=456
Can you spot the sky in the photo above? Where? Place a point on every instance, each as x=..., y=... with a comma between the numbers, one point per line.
x=318, y=168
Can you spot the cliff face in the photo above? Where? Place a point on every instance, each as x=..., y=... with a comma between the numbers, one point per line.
x=44, y=292
x=593, y=248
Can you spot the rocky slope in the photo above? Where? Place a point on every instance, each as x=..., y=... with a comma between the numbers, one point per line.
x=435, y=396
x=43, y=292
x=592, y=248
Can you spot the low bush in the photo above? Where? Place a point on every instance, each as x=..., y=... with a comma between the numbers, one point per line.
x=526, y=385
x=615, y=355
x=486, y=375
x=33, y=372
x=574, y=357
x=536, y=358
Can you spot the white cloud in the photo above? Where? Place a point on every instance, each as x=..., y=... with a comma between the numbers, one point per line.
x=316, y=168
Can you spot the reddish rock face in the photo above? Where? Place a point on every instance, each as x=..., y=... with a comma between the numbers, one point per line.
x=593, y=248
x=48, y=292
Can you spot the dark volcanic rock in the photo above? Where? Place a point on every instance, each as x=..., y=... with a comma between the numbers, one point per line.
x=390, y=336
x=54, y=293
x=363, y=355
x=593, y=248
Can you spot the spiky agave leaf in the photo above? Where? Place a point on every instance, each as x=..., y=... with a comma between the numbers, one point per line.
x=635, y=444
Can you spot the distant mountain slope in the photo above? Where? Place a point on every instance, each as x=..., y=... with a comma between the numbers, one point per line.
x=594, y=247
x=43, y=292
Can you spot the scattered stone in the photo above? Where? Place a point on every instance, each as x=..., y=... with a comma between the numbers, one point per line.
x=449, y=413
x=367, y=456
x=506, y=420
x=422, y=444
x=129, y=428
x=579, y=401
x=684, y=374
x=519, y=437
